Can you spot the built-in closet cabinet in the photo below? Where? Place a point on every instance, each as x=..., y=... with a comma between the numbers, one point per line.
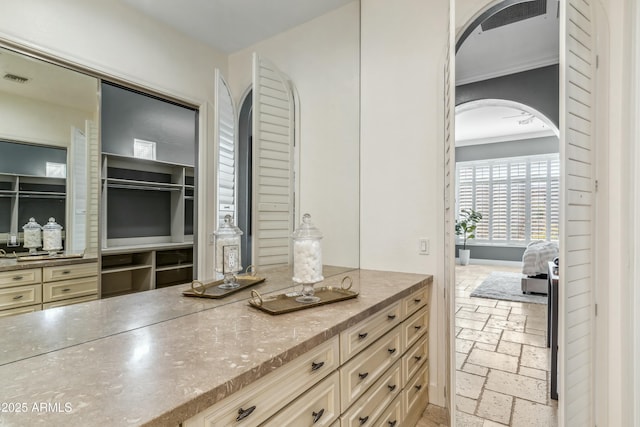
x=148, y=191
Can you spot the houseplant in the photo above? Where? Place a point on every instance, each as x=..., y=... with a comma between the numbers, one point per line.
x=466, y=225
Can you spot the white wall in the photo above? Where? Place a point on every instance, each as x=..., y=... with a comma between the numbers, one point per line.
x=27, y=120
x=403, y=49
x=321, y=57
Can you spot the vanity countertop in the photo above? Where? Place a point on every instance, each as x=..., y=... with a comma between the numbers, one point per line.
x=164, y=373
x=10, y=263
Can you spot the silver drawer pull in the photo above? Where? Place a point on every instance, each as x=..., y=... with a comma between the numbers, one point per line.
x=317, y=415
x=244, y=413
x=17, y=297
x=363, y=335
x=363, y=375
x=315, y=366
x=66, y=289
x=363, y=419
x=18, y=277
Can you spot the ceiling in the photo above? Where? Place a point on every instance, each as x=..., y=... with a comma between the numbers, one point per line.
x=232, y=25
x=519, y=46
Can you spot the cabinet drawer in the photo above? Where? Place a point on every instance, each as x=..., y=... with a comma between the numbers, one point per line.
x=64, y=272
x=357, y=337
x=20, y=277
x=268, y=395
x=414, y=301
x=21, y=310
x=20, y=296
x=371, y=405
x=416, y=396
x=56, y=291
x=69, y=301
x=357, y=375
x=393, y=415
x=415, y=327
x=319, y=406
x=415, y=358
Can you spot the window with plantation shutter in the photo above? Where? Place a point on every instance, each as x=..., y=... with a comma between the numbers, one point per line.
x=517, y=197
x=226, y=138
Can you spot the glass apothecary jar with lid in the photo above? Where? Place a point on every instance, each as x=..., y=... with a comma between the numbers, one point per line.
x=307, y=258
x=228, y=261
x=52, y=237
x=32, y=235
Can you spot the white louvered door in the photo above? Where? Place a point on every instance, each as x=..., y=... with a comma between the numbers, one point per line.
x=225, y=125
x=92, y=134
x=273, y=149
x=577, y=313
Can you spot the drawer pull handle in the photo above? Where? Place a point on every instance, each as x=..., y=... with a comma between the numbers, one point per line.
x=66, y=272
x=393, y=423
x=318, y=415
x=363, y=335
x=418, y=358
x=315, y=366
x=392, y=387
x=417, y=300
x=17, y=297
x=419, y=387
x=363, y=375
x=391, y=350
x=363, y=419
x=391, y=316
x=66, y=289
x=418, y=327
x=244, y=413
x=18, y=277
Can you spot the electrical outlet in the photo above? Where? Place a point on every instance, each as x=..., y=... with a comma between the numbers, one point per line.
x=423, y=246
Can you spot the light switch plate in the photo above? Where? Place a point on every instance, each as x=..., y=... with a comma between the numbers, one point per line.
x=423, y=246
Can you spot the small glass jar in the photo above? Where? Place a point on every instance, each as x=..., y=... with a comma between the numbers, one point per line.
x=52, y=237
x=32, y=235
x=228, y=261
x=307, y=258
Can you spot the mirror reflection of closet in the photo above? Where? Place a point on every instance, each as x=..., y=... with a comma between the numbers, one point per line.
x=48, y=133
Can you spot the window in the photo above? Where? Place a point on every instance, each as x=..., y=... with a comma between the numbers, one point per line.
x=518, y=197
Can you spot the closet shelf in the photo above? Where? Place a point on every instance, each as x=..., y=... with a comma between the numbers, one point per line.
x=174, y=267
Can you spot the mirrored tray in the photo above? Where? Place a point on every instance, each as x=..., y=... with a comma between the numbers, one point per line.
x=286, y=303
x=211, y=289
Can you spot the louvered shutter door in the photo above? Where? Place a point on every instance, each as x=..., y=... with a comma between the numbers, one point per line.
x=272, y=164
x=577, y=58
x=226, y=142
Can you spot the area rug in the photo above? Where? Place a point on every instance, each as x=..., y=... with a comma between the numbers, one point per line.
x=506, y=286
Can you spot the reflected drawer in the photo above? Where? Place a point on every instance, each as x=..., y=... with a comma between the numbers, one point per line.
x=357, y=337
x=64, y=272
x=20, y=296
x=415, y=327
x=372, y=404
x=21, y=310
x=414, y=301
x=393, y=415
x=69, y=301
x=357, y=375
x=55, y=291
x=415, y=358
x=20, y=277
x=319, y=406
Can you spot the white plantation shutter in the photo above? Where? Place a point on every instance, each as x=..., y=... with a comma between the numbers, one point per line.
x=577, y=65
x=273, y=149
x=225, y=120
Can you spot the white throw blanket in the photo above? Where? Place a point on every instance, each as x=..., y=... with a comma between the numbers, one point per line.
x=536, y=257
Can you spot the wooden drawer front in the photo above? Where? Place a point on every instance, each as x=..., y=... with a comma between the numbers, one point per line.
x=56, y=291
x=20, y=296
x=20, y=277
x=416, y=396
x=64, y=272
x=265, y=397
x=415, y=358
x=372, y=404
x=21, y=310
x=414, y=301
x=415, y=327
x=363, y=370
x=357, y=337
x=393, y=415
x=319, y=406
x=69, y=301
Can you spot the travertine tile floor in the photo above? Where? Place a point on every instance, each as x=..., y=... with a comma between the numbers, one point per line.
x=502, y=362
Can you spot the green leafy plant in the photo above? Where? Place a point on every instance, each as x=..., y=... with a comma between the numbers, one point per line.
x=466, y=225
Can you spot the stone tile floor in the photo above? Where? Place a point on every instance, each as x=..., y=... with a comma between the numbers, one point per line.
x=502, y=362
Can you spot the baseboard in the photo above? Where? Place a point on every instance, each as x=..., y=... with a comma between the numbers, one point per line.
x=492, y=262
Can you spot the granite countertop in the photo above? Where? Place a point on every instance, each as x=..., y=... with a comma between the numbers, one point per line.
x=10, y=263
x=167, y=372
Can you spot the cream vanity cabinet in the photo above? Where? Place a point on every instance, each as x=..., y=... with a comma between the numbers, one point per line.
x=33, y=289
x=373, y=373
